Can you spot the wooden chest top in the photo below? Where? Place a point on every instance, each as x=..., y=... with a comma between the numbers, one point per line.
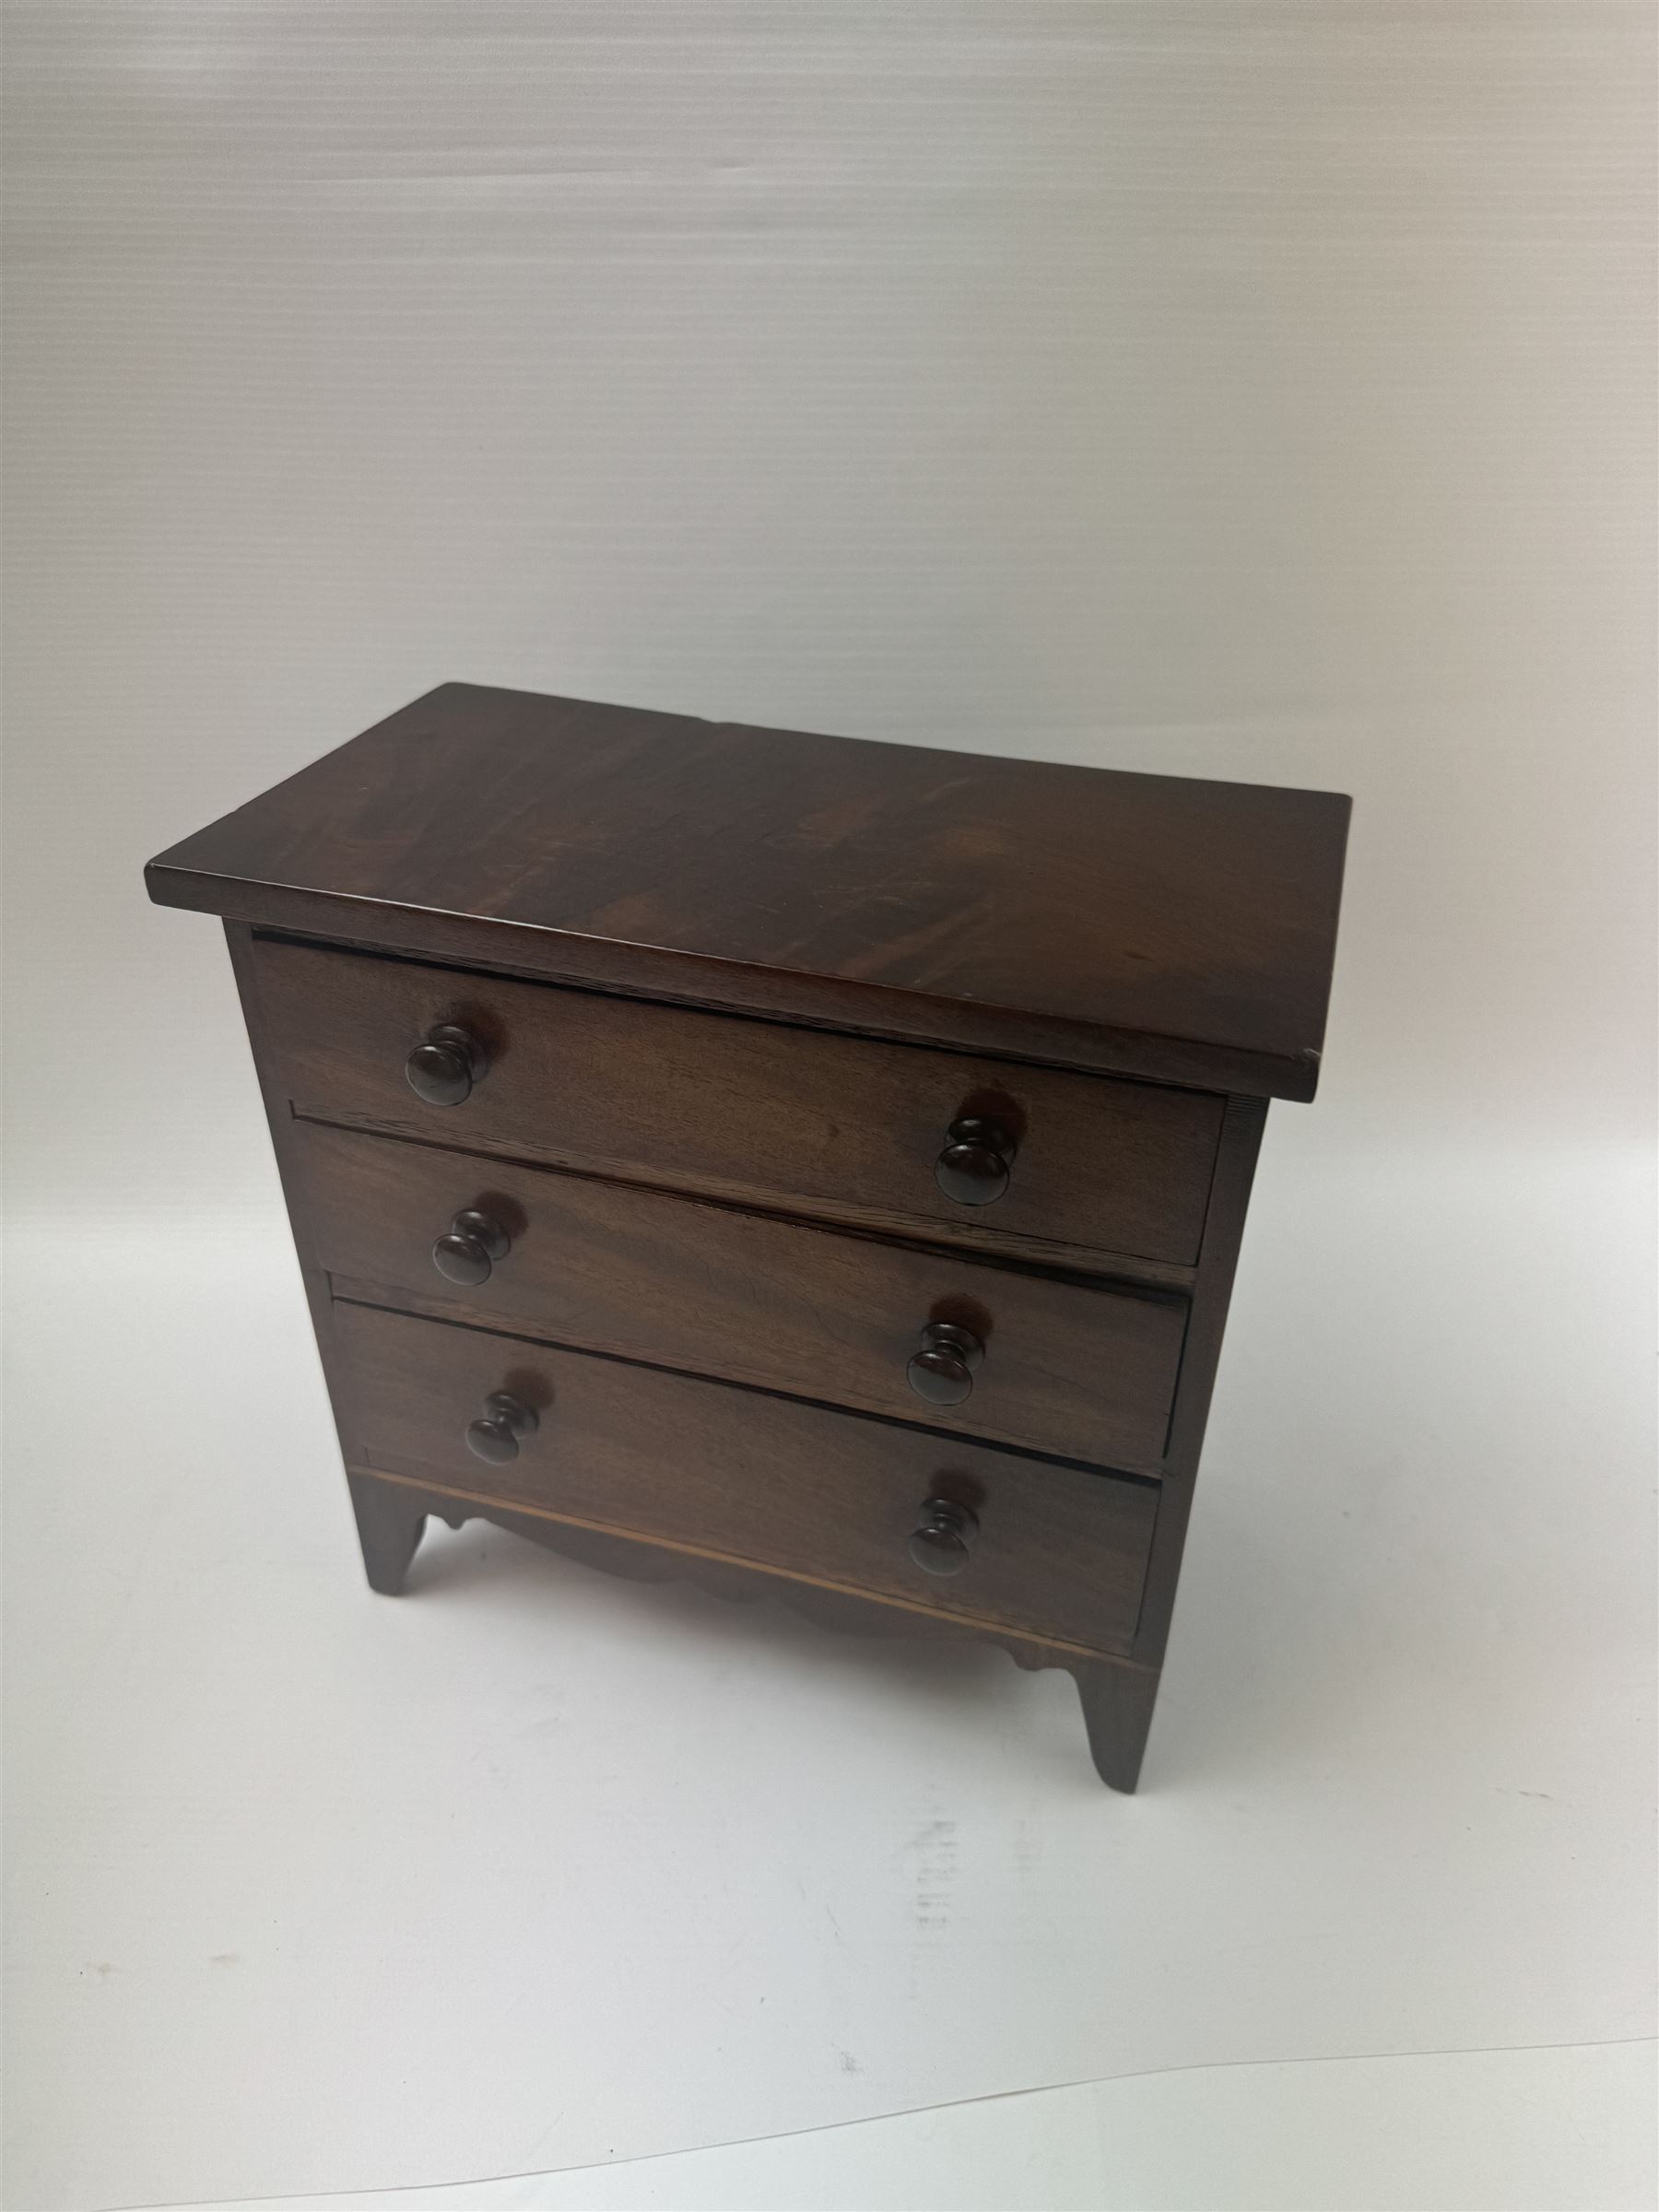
x=1149, y=925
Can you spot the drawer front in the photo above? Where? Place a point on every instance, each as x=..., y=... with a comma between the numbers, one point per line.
x=827, y=1498
x=1067, y=1368
x=839, y=1126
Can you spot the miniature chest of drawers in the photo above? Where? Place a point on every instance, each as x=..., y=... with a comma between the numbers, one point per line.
x=804, y=1164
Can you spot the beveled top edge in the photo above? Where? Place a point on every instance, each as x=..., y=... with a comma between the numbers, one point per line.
x=573, y=842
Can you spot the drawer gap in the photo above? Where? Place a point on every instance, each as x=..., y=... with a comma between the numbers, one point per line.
x=1163, y=1281
x=1149, y=1478
x=978, y=1621
x=720, y=1009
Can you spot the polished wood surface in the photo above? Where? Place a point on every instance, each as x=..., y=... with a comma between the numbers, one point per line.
x=1160, y=925
x=830, y=1498
x=788, y=1163
x=1212, y=1292
x=1117, y=1696
x=751, y=1111
x=391, y=1508
x=1086, y=1372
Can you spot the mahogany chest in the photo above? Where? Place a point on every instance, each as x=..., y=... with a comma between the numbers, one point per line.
x=794, y=1162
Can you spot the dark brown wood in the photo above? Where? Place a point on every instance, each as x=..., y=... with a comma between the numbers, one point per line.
x=1079, y=1371
x=1114, y=1713
x=382, y=1535
x=1117, y=1712
x=469, y=1247
x=504, y=1424
x=974, y=1166
x=694, y=1196
x=389, y=1523
x=1154, y=926
x=1224, y=1233
x=944, y=1364
x=747, y=1110
x=442, y=1068
x=942, y=1541
x=826, y=1498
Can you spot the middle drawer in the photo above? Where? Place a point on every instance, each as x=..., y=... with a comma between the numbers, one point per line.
x=958, y=1344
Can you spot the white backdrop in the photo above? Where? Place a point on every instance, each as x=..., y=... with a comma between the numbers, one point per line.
x=1230, y=389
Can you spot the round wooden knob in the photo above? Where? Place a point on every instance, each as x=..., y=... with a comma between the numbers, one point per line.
x=443, y=1069
x=942, y=1541
x=974, y=1167
x=466, y=1250
x=942, y=1370
x=495, y=1434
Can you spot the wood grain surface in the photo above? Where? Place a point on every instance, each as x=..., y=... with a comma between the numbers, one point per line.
x=1246, y=393
x=1086, y=1372
x=392, y=1509
x=740, y=1475
x=749, y=1109
x=1188, y=925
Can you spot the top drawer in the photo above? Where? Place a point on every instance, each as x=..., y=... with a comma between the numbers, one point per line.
x=840, y=1126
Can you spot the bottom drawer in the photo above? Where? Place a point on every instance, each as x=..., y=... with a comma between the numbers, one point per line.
x=827, y=1498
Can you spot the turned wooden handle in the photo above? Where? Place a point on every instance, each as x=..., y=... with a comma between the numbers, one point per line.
x=495, y=1434
x=942, y=1370
x=974, y=1167
x=468, y=1248
x=444, y=1068
x=942, y=1541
